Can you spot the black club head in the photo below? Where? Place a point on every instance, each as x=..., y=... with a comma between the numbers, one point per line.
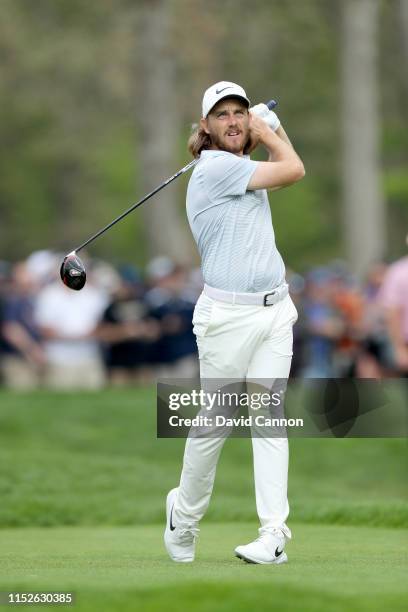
x=73, y=273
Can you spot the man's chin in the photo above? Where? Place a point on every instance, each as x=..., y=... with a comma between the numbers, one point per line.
x=231, y=148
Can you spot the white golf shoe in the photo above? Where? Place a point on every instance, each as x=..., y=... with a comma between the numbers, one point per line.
x=268, y=548
x=179, y=539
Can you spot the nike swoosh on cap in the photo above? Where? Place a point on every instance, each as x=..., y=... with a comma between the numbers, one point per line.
x=278, y=552
x=218, y=91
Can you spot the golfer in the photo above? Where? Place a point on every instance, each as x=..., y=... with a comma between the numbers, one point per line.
x=243, y=319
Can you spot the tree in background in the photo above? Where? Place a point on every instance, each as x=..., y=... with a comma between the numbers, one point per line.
x=98, y=99
x=160, y=124
x=363, y=202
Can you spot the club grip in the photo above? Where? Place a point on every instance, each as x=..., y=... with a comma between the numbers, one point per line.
x=271, y=104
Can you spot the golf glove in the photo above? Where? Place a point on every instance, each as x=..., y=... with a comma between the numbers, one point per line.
x=271, y=118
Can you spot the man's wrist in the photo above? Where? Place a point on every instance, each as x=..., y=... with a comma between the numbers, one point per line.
x=269, y=116
x=268, y=138
x=272, y=120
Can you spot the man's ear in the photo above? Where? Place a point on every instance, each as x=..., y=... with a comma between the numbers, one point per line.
x=203, y=125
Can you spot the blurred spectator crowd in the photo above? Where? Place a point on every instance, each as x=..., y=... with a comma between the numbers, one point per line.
x=125, y=327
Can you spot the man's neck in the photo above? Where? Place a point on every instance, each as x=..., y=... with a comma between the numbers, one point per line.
x=215, y=148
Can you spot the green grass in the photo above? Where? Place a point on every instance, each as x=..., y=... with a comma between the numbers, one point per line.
x=125, y=568
x=82, y=485
x=81, y=459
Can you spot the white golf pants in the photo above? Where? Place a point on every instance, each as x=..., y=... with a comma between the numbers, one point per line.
x=240, y=342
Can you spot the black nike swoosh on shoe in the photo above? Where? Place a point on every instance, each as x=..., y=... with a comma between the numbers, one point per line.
x=218, y=91
x=278, y=552
x=172, y=527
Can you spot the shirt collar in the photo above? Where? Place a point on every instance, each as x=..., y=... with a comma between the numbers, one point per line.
x=215, y=152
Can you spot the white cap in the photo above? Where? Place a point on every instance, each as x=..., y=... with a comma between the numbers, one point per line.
x=219, y=91
x=41, y=265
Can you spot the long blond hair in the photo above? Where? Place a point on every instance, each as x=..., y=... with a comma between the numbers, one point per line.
x=199, y=141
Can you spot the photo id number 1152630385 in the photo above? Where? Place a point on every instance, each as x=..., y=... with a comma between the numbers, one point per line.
x=33, y=598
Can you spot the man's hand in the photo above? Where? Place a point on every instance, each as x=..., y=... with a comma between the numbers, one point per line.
x=36, y=356
x=271, y=118
x=258, y=128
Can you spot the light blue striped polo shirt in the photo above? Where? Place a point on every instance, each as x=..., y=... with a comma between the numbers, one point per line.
x=232, y=226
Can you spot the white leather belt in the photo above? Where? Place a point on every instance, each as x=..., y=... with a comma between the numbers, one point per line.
x=267, y=298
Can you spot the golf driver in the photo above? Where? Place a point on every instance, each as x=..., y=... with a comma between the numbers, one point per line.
x=72, y=271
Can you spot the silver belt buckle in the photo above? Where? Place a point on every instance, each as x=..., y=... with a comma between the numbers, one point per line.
x=267, y=295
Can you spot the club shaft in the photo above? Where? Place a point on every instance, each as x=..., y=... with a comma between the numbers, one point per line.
x=134, y=206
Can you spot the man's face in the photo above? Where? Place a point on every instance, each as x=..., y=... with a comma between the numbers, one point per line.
x=228, y=126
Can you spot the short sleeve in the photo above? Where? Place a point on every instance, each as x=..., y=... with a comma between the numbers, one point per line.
x=228, y=175
x=395, y=288
x=10, y=311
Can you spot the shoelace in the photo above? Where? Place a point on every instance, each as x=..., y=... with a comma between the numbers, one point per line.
x=265, y=537
x=188, y=535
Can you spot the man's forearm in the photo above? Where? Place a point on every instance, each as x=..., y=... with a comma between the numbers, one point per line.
x=279, y=146
x=17, y=336
x=283, y=135
x=394, y=327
